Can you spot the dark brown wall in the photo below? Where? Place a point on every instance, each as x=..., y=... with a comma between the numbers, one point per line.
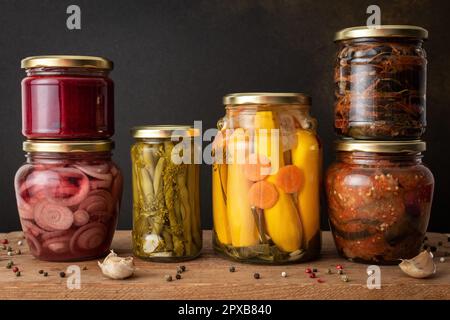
x=176, y=59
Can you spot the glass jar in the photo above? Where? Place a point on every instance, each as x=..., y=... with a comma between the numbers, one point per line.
x=67, y=97
x=380, y=76
x=266, y=177
x=379, y=199
x=166, y=203
x=68, y=197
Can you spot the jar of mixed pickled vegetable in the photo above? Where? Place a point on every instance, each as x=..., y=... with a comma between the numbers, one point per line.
x=379, y=199
x=166, y=205
x=266, y=177
x=68, y=198
x=67, y=97
x=380, y=76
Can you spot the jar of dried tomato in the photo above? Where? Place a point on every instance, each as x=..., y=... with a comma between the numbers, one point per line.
x=68, y=198
x=379, y=199
x=380, y=76
x=67, y=97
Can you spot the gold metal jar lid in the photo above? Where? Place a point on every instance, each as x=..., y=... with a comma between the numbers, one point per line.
x=67, y=146
x=412, y=146
x=266, y=98
x=382, y=31
x=65, y=61
x=164, y=131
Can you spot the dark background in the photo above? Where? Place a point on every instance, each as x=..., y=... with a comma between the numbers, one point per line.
x=174, y=60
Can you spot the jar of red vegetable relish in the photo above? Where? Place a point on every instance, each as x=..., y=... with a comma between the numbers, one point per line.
x=68, y=198
x=67, y=97
x=379, y=198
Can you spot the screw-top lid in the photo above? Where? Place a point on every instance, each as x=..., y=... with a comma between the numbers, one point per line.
x=164, y=131
x=67, y=146
x=65, y=61
x=412, y=146
x=266, y=98
x=382, y=31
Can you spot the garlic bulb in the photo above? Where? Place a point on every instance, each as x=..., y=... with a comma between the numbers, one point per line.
x=421, y=266
x=116, y=267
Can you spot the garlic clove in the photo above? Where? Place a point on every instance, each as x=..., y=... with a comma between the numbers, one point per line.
x=151, y=243
x=421, y=266
x=117, y=268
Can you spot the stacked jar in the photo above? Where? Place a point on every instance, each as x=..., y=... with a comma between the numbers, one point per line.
x=69, y=190
x=379, y=192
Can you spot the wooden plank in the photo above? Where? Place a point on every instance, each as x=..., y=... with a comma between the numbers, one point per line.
x=209, y=278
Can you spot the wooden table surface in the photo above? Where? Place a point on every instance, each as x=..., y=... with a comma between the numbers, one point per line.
x=208, y=277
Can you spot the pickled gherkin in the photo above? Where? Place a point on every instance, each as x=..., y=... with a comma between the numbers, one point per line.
x=166, y=211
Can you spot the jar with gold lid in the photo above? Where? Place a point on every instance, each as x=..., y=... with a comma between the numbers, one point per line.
x=266, y=177
x=379, y=200
x=380, y=77
x=67, y=97
x=68, y=197
x=166, y=203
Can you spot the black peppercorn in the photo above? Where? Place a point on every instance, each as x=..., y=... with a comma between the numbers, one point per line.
x=256, y=275
x=232, y=269
x=62, y=274
x=45, y=274
x=178, y=276
x=41, y=271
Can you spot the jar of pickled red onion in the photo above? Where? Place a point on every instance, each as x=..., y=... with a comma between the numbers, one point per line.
x=67, y=97
x=68, y=198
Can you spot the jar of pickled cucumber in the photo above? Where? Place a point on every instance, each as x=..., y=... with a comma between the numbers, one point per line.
x=380, y=76
x=266, y=177
x=379, y=199
x=68, y=198
x=166, y=207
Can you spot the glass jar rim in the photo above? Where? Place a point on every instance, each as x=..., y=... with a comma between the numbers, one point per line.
x=64, y=146
x=67, y=61
x=277, y=98
x=373, y=146
x=382, y=31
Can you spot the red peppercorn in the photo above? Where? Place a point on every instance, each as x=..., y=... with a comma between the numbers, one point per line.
x=308, y=270
x=4, y=241
x=339, y=267
x=15, y=269
x=320, y=280
x=312, y=275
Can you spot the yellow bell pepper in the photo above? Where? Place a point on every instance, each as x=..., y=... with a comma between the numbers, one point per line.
x=307, y=157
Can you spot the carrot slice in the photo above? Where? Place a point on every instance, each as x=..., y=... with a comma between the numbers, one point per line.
x=52, y=217
x=289, y=179
x=263, y=194
x=257, y=167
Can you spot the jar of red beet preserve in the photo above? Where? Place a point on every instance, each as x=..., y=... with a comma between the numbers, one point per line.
x=68, y=197
x=67, y=97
